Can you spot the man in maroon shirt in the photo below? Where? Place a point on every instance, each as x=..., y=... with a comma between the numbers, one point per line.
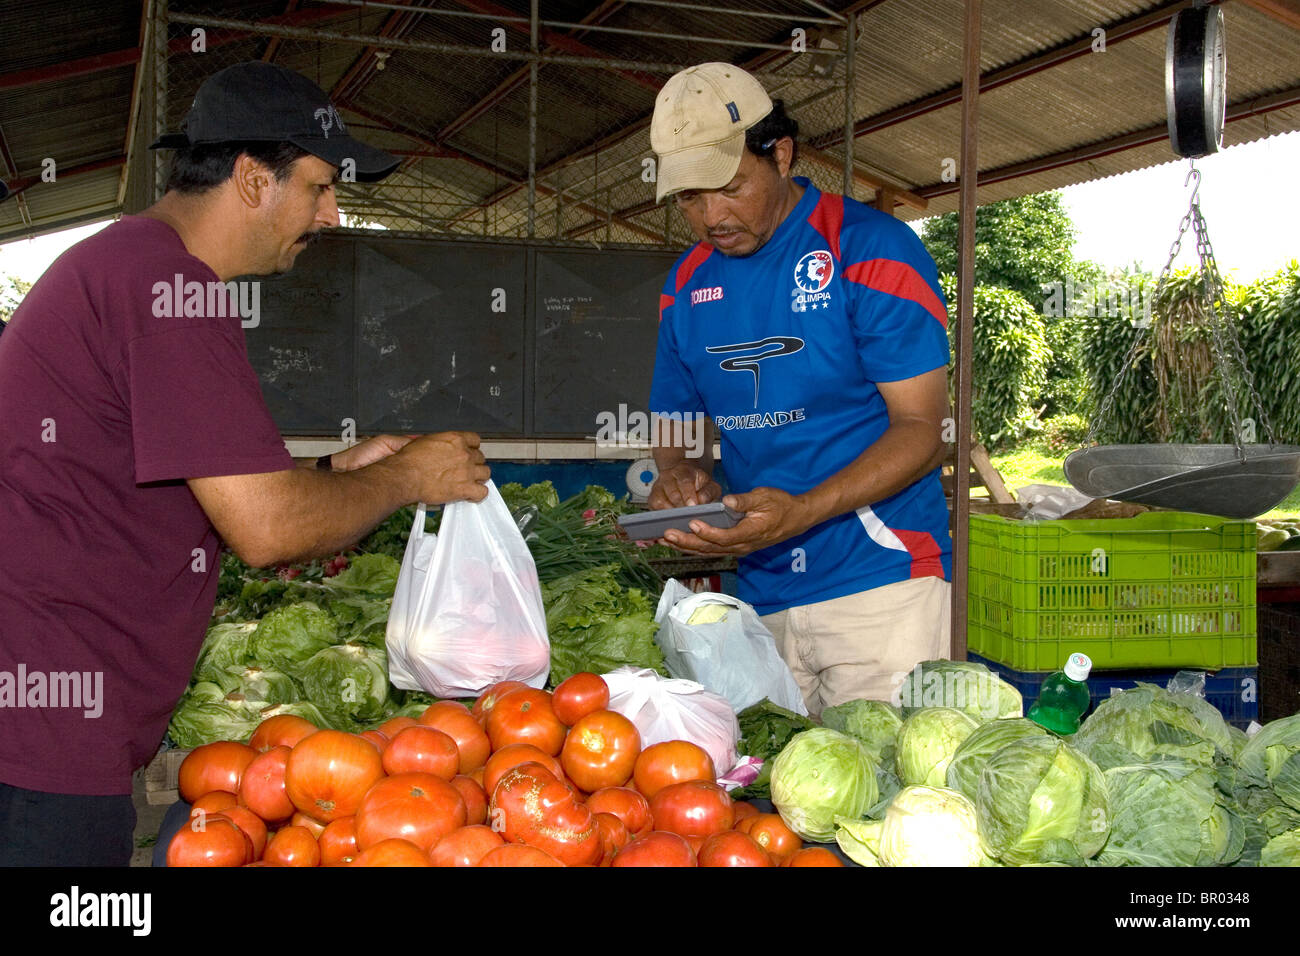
x=134, y=440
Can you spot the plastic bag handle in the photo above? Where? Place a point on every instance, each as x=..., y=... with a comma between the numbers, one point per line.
x=417, y=527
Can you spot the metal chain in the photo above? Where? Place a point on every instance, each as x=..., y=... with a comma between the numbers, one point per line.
x=1223, y=330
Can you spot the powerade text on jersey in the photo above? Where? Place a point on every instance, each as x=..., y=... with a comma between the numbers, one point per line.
x=781, y=349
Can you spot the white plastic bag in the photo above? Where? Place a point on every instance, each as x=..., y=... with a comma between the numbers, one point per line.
x=668, y=709
x=467, y=611
x=719, y=641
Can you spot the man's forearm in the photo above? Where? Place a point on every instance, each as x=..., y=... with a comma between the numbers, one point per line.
x=908, y=450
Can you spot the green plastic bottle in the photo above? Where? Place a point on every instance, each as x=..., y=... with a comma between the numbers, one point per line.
x=1063, y=699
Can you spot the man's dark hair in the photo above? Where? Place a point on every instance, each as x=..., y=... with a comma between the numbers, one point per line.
x=196, y=169
x=762, y=137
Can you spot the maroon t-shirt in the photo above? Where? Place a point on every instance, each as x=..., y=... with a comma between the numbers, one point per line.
x=108, y=566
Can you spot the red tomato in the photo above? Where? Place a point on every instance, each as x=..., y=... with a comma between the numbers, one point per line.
x=329, y=772
x=696, y=808
x=310, y=824
x=732, y=848
x=218, y=842
x=216, y=766
x=770, y=832
x=393, y=726
x=628, y=805
x=673, y=761
x=814, y=856
x=659, y=848
x=392, y=852
x=525, y=717
x=513, y=755
x=417, y=807
x=338, y=842
x=262, y=787
x=579, y=696
x=282, y=730
x=214, y=801
x=530, y=806
x=380, y=741
x=518, y=854
x=476, y=801
x=293, y=846
x=488, y=699
x=465, y=847
x=601, y=750
x=422, y=750
x=252, y=825
x=743, y=809
x=455, y=720
x=613, y=836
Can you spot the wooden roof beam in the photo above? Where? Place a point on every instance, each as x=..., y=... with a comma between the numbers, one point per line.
x=1286, y=12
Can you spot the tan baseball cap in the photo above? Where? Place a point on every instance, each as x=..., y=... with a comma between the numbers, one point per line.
x=698, y=129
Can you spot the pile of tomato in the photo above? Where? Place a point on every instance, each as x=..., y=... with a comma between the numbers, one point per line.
x=525, y=777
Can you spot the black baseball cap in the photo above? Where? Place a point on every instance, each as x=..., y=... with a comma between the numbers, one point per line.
x=261, y=102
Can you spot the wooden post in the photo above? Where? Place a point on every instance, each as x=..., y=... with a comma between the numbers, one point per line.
x=969, y=173
x=886, y=199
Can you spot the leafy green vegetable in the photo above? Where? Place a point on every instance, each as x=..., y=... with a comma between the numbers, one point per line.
x=348, y=682
x=765, y=729
x=1272, y=757
x=540, y=495
x=873, y=722
x=967, y=686
x=372, y=573
x=200, y=718
x=822, y=774
x=1169, y=813
x=225, y=646
x=597, y=625
x=1282, y=850
x=927, y=741
x=987, y=739
x=1041, y=800
x=923, y=826
x=261, y=683
x=289, y=635
x=1147, y=721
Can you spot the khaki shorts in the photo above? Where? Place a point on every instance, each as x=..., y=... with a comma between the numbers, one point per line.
x=861, y=645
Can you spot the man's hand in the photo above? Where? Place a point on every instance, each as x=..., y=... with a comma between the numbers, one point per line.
x=447, y=467
x=771, y=516
x=368, y=452
x=682, y=485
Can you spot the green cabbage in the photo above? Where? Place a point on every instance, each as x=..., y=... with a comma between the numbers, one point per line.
x=348, y=682
x=927, y=741
x=374, y=574
x=1041, y=800
x=924, y=826
x=964, y=685
x=1282, y=850
x=967, y=763
x=822, y=774
x=1148, y=721
x=1272, y=758
x=299, y=708
x=290, y=635
x=873, y=722
x=261, y=683
x=1169, y=813
x=200, y=718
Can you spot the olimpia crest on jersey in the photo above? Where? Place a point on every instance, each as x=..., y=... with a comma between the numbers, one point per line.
x=812, y=277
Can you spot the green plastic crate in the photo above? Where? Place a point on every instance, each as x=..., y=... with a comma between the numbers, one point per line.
x=1160, y=589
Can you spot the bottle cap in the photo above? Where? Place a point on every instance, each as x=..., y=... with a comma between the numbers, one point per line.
x=1078, y=667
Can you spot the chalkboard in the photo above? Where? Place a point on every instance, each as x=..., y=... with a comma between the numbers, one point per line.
x=440, y=336
x=596, y=325
x=302, y=346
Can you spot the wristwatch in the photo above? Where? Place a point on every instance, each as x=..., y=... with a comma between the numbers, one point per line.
x=324, y=462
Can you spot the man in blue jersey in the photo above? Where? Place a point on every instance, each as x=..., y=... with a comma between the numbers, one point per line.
x=808, y=331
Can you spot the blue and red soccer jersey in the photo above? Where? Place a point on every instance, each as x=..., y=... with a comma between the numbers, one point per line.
x=781, y=350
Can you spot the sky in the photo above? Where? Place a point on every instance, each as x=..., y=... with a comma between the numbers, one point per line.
x=1248, y=198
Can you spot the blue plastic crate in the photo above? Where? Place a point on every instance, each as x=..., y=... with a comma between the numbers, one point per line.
x=1233, y=690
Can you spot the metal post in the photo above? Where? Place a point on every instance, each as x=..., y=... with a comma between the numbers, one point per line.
x=969, y=172
x=161, y=159
x=532, y=122
x=850, y=29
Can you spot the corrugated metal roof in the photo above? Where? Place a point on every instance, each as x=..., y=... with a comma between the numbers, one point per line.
x=907, y=50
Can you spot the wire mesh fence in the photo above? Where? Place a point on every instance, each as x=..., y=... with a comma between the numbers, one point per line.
x=460, y=96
